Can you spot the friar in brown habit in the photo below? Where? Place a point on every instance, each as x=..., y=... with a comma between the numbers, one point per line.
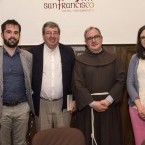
x=98, y=82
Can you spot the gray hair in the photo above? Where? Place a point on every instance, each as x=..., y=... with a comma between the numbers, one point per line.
x=90, y=28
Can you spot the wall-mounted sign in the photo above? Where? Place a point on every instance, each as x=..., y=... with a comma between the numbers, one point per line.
x=118, y=20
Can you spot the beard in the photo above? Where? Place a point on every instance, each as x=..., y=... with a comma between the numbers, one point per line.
x=11, y=42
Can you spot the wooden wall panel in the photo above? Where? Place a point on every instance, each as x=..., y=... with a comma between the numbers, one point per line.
x=125, y=52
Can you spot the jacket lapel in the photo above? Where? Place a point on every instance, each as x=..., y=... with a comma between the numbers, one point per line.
x=1, y=71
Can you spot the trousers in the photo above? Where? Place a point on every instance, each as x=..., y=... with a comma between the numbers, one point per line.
x=51, y=115
x=138, y=126
x=14, y=124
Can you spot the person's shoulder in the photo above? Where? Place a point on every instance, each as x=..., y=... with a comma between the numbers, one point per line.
x=133, y=61
x=108, y=56
x=65, y=46
x=134, y=58
x=35, y=49
x=26, y=52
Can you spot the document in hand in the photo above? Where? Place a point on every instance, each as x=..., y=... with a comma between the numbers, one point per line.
x=69, y=102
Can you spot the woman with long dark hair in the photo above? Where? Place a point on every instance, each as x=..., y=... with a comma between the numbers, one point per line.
x=136, y=88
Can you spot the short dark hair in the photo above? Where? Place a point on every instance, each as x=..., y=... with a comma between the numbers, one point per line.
x=11, y=22
x=51, y=25
x=139, y=48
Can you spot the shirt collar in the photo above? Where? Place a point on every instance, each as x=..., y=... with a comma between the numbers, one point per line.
x=16, y=51
x=51, y=50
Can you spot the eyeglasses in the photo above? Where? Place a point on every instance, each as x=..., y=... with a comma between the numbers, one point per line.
x=142, y=38
x=94, y=38
x=52, y=33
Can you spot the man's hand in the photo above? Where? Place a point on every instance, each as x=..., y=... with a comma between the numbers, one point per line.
x=99, y=106
x=73, y=106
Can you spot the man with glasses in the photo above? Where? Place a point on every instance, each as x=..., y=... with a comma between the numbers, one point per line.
x=98, y=82
x=51, y=82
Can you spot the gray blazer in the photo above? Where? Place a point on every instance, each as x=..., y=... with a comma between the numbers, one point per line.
x=26, y=59
x=132, y=80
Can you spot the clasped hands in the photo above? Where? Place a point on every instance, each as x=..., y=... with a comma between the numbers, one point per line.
x=100, y=106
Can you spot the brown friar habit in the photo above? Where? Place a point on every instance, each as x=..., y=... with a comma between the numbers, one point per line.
x=96, y=73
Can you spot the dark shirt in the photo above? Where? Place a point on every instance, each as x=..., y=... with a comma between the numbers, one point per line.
x=13, y=78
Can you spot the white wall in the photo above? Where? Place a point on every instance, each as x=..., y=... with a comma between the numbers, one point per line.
x=119, y=20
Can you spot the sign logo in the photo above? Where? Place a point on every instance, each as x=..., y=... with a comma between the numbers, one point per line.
x=69, y=6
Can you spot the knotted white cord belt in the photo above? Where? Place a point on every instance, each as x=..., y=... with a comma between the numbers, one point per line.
x=92, y=119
